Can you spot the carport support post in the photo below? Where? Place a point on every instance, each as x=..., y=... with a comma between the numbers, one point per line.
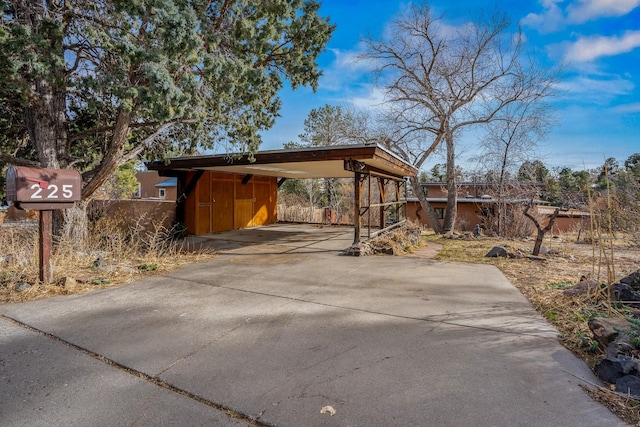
x=357, y=219
x=45, y=235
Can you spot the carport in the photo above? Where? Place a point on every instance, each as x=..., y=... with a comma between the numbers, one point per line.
x=222, y=192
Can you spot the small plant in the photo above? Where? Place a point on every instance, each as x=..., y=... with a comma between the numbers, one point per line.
x=563, y=284
x=148, y=266
x=179, y=230
x=587, y=343
x=633, y=331
x=552, y=315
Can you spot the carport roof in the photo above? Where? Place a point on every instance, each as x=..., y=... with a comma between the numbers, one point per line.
x=313, y=162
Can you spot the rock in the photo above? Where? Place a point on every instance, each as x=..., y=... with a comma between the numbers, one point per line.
x=625, y=294
x=8, y=259
x=583, y=287
x=98, y=262
x=629, y=384
x=543, y=250
x=621, y=346
x=128, y=270
x=632, y=280
x=497, y=251
x=609, y=370
x=387, y=250
x=604, y=329
x=21, y=286
x=69, y=283
x=629, y=364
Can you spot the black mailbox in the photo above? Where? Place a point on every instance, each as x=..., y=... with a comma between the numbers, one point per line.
x=43, y=189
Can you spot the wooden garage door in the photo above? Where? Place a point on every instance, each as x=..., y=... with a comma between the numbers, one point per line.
x=243, y=207
x=222, y=202
x=262, y=207
x=203, y=206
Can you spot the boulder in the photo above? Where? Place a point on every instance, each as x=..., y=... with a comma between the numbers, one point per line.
x=629, y=364
x=609, y=370
x=632, y=280
x=625, y=293
x=583, y=287
x=21, y=286
x=604, y=329
x=69, y=283
x=629, y=384
x=497, y=251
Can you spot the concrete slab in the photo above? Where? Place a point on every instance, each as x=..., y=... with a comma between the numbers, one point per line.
x=277, y=334
x=46, y=383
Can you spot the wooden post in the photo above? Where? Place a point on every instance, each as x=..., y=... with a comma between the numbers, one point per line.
x=357, y=219
x=45, y=243
x=382, y=199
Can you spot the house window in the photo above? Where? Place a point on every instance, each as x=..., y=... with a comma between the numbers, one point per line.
x=162, y=193
x=138, y=192
x=439, y=212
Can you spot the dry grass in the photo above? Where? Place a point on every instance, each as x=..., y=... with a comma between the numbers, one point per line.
x=542, y=283
x=126, y=251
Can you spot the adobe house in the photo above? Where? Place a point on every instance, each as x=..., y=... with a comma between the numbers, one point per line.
x=223, y=192
x=153, y=186
x=475, y=203
x=567, y=221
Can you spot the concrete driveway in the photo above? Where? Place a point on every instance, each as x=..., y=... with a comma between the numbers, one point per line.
x=279, y=326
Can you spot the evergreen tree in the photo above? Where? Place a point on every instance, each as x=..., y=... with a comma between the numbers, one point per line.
x=96, y=83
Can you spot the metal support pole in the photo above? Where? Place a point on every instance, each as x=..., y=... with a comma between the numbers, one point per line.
x=45, y=235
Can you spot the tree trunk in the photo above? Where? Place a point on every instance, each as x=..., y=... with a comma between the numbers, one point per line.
x=112, y=157
x=541, y=231
x=426, y=206
x=452, y=186
x=47, y=124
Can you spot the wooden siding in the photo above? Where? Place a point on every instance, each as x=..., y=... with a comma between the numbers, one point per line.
x=224, y=201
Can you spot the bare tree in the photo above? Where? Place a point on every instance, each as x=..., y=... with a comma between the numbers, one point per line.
x=541, y=230
x=511, y=139
x=440, y=81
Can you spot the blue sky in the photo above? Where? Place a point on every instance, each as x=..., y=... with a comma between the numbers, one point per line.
x=598, y=114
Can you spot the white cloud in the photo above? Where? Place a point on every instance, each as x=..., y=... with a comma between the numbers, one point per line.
x=591, y=48
x=550, y=20
x=373, y=99
x=628, y=108
x=596, y=90
x=554, y=18
x=586, y=10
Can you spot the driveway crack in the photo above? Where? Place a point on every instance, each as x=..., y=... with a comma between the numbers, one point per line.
x=231, y=413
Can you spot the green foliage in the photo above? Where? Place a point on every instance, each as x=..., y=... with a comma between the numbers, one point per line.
x=587, y=343
x=123, y=183
x=179, y=230
x=633, y=331
x=329, y=125
x=533, y=171
x=560, y=285
x=186, y=73
x=149, y=266
x=552, y=315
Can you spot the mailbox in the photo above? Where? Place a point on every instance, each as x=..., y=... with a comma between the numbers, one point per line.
x=43, y=189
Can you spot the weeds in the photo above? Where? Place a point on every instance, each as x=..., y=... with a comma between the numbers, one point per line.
x=105, y=252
